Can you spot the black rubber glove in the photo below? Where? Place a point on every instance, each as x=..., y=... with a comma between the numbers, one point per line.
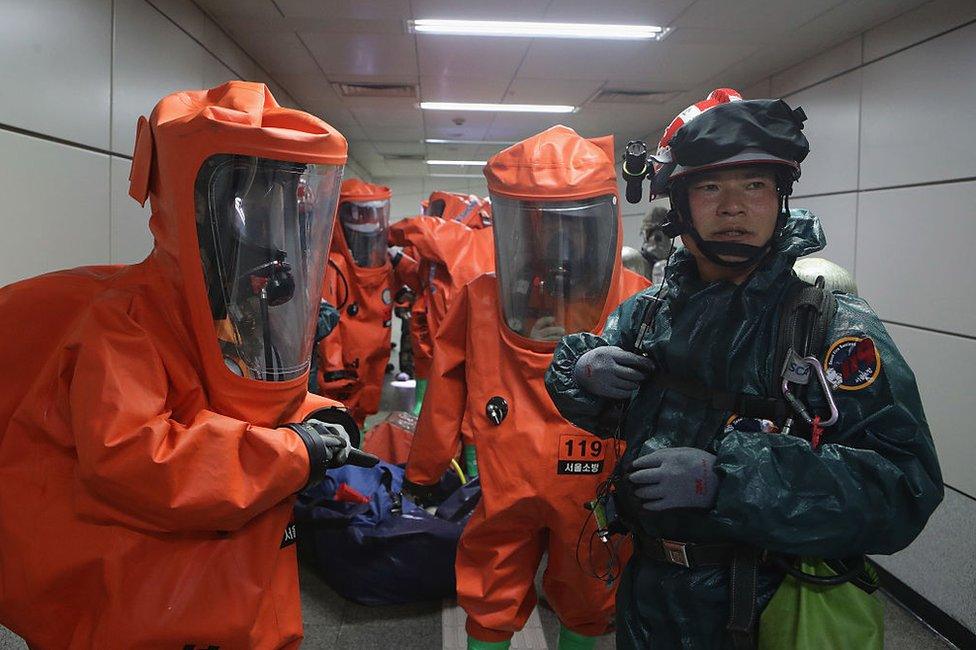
x=327, y=444
x=423, y=495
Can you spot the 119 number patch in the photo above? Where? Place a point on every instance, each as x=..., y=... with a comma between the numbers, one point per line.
x=580, y=454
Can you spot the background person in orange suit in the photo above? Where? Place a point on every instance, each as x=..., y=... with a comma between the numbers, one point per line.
x=557, y=243
x=354, y=356
x=154, y=420
x=454, y=244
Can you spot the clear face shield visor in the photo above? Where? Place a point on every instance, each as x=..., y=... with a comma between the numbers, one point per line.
x=264, y=228
x=554, y=263
x=365, y=225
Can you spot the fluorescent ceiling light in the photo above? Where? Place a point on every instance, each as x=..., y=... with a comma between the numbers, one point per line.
x=439, y=141
x=456, y=175
x=501, y=108
x=537, y=30
x=456, y=162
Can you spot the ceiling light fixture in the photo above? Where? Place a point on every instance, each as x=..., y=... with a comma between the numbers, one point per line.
x=501, y=108
x=486, y=142
x=456, y=162
x=538, y=30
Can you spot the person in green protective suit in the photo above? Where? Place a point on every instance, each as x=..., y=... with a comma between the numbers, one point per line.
x=706, y=486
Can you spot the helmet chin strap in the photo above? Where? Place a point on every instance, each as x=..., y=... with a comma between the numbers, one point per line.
x=678, y=224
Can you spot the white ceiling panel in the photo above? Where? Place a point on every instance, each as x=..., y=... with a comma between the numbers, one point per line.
x=363, y=54
x=310, y=87
x=664, y=65
x=552, y=58
x=451, y=56
x=516, y=126
x=462, y=151
x=458, y=119
x=395, y=132
x=524, y=90
x=720, y=36
x=753, y=16
x=463, y=89
x=493, y=10
x=348, y=131
x=411, y=148
x=340, y=118
x=374, y=112
x=284, y=54
x=679, y=65
x=407, y=167
x=332, y=9
x=440, y=124
x=277, y=25
x=626, y=120
x=626, y=12
x=240, y=8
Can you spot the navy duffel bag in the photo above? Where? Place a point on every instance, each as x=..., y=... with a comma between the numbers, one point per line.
x=386, y=551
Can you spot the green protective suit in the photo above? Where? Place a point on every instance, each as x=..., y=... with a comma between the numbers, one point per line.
x=869, y=488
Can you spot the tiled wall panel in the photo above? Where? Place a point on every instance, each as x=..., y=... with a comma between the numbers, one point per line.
x=55, y=207
x=832, y=110
x=56, y=73
x=917, y=113
x=915, y=256
x=945, y=369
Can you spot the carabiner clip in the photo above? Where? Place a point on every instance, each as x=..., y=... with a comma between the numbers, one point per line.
x=797, y=373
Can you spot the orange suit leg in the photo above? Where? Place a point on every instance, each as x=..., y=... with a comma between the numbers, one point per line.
x=583, y=603
x=497, y=559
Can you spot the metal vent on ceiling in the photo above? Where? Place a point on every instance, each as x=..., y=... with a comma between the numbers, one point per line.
x=611, y=96
x=349, y=89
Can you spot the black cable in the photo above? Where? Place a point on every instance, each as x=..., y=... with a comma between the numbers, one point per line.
x=345, y=284
x=604, y=490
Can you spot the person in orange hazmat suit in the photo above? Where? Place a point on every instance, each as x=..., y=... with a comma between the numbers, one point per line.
x=359, y=279
x=557, y=253
x=454, y=245
x=442, y=269
x=152, y=441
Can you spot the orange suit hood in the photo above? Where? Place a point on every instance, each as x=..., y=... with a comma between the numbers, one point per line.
x=185, y=129
x=474, y=212
x=558, y=164
x=354, y=189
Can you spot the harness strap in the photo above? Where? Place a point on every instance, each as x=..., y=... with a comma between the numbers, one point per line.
x=744, y=579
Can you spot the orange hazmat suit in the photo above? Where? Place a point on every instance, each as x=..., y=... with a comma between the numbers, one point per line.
x=453, y=247
x=493, y=349
x=358, y=282
x=147, y=485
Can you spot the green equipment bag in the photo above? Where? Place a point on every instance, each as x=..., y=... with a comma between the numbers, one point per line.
x=805, y=616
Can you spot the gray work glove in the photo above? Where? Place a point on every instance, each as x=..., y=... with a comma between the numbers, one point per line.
x=609, y=371
x=679, y=477
x=336, y=440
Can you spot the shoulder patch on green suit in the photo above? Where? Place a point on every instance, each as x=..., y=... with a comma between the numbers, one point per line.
x=852, y=363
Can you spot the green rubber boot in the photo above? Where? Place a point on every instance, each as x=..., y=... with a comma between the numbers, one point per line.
x=470, y=461
x=475, y=644
x=418, y=393
x=569, y=640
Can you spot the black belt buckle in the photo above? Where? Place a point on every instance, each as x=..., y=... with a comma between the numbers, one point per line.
x=676, y=552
